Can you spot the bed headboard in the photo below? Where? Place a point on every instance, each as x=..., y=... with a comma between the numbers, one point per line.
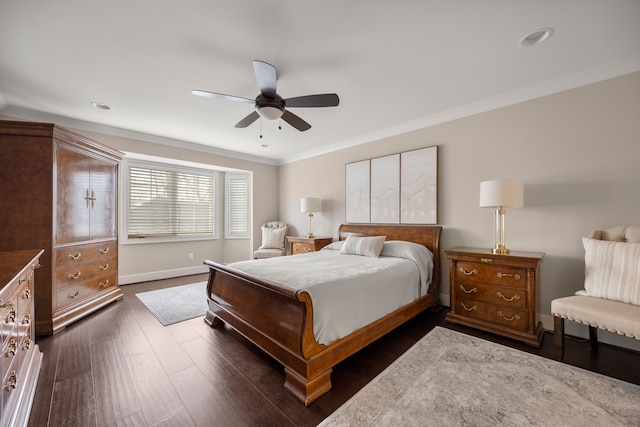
x=427, y=235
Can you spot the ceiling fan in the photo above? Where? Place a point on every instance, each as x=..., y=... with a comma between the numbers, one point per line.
x=269, y=104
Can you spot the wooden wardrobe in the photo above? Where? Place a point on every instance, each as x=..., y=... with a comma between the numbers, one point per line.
x=59, y=193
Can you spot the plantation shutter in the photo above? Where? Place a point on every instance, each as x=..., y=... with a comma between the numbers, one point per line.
x=237, y=205
x=170, y=202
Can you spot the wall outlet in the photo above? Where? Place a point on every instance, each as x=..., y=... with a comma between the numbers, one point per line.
x=190, y=256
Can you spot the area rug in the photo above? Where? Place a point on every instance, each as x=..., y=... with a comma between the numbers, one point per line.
x=452, y=379
x=178, y=303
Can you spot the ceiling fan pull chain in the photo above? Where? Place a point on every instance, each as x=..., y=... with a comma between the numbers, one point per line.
x=280, y=124
x=260, y=127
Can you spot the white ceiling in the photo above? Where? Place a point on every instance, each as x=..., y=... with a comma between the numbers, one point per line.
x=396, y=65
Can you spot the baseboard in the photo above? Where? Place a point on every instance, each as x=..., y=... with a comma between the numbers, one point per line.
x=159, y=275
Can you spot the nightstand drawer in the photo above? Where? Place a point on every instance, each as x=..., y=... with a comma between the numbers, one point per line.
x=499, y=295
x=495, y=274
x=301, y=248
x=496, y=314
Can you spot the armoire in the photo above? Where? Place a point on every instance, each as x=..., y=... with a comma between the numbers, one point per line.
x=59, y=193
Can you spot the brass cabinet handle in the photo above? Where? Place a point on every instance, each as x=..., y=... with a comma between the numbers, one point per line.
x=475, y=307
x=468, y=273
x=12, y=381
x=12, y=347
x=75, y=257
x=74, y=295
x=470, y=291
x=26, y=293
x=26, y=343
x=26, y=319
x=104, y=284
x=36, y=265
x=515, y=276
x=9, y=304
x=11, y=317
x=103, y=267
x=104, y=251
x=509, y=319
x=486, y=260
x=73, y=276
x=516, y=297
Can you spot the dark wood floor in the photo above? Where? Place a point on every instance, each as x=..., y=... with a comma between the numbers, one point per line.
x=121, y=367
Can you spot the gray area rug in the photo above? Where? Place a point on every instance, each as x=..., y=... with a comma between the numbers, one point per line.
x=178, y=303
x=452, y=379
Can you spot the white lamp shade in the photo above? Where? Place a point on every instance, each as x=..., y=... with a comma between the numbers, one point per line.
x=310, y=204
x=501, y=192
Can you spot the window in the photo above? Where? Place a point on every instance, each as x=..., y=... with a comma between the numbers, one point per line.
x=237, y=205
x=167, y=202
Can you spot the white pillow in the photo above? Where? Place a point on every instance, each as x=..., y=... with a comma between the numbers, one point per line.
x=612, y=270
x=273, y=238
x=367, y=246
x=334, y=246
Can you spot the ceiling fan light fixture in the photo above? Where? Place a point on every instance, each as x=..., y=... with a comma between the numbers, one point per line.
x=270, y=113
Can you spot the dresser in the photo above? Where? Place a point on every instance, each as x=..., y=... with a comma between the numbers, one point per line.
x=20, y=357
x=59, y=190
x=302, y=245
x=496, y=293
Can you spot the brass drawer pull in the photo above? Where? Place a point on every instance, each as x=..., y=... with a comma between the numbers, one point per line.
x=34, y=266
x=12, y=347
x=470, y=291
x=26, y=344
x=468, y=273
x=74, y=295
x=104, y=251
x=12, y=381
x=26, y=319
x=73, y=276
x=103, y=267
x=510, y=319
x=9, y=304
x=75, y=257
x=474, y=308
x=23, y=279
x=26, y=294
x=513, y=298
x=515, y=276
x=486, y=260
x=104, y=284
x=11, y=317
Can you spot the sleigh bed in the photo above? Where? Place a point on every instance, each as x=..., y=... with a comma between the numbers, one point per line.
x=280, y=320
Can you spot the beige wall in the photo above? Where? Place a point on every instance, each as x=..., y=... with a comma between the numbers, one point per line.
x=576, y=151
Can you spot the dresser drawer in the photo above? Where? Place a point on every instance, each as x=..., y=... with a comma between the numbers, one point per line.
x=84, y=254
x=78, y=292
x=499, y=295
x=495, y=274
x=301, y=248
x=495, y=314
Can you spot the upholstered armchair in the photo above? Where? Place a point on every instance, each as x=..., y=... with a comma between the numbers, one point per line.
x=610, y=299
x=273, y=237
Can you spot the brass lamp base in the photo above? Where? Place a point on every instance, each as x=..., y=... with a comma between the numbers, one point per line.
x=310, y=236
x=499, y=250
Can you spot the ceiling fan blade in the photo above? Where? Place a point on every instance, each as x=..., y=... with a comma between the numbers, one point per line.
x=266, y=77
x=322, y=100
x=295, y=121
x=248, y=120
x=220, y=95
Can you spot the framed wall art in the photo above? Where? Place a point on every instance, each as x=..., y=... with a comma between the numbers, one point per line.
x=385, y=189
x=358, y=191
x=419, y=186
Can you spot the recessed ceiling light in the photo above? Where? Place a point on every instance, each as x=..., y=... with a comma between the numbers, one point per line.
x=101, y=106
x=535, y=37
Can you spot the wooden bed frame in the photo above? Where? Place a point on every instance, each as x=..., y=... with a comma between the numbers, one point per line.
x=279, y=320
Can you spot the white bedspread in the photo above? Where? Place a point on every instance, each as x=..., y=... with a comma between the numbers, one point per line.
x=348, y=291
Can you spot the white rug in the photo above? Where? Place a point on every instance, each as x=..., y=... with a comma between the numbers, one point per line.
x=452, y=379
x=178, y=303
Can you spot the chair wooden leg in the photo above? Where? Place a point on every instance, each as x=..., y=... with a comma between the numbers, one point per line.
x=558, y=334
x=593, y=338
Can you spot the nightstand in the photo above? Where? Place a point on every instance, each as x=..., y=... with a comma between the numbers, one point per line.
x=496, y=293
x=302, y=245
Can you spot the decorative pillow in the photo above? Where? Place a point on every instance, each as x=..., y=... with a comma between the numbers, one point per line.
x=612, y=270
x=273, y=238
x=366, y=246
x=335, y=246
